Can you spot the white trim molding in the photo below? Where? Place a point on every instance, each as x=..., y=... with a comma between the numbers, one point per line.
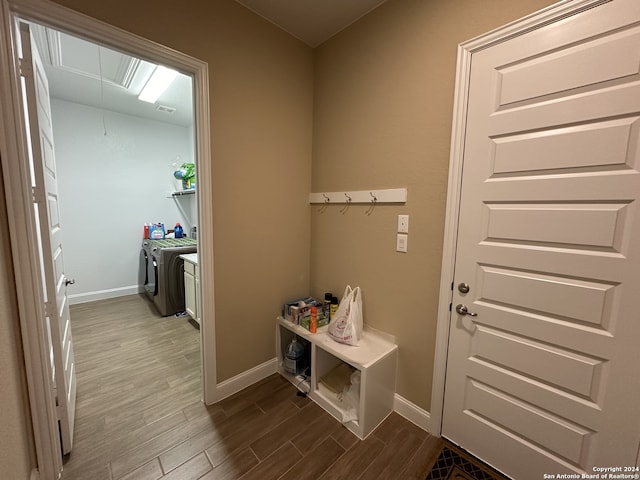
x=412, y=412
x=466, y=51
x=245, y=379
x=96, y=295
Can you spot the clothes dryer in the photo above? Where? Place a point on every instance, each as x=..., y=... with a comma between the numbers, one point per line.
x=164, y=272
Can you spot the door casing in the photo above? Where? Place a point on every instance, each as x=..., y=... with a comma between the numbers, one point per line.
x=466, y=51
x=18, y=196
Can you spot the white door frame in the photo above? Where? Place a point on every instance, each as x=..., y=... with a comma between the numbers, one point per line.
x=14, y=154
x=466, y=50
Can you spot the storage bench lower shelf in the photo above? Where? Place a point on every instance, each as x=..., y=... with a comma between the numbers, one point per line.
x=369, y=400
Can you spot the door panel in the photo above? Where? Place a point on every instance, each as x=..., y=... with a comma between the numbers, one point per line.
x=571, y=67
x=539, y=381
x=574, y=300
x=591, y=145
x=568, y=224
x=558, y=367
x=531, y=422
x=46, y=195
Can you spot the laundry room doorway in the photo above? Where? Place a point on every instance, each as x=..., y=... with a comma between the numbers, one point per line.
x=117, y=157
x=24, y=240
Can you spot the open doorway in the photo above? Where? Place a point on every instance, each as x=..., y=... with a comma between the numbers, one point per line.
x=20, y=199
x=134, y=352
x=116, y=156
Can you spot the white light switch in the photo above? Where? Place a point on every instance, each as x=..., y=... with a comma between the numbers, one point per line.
x=401, y=242
x=403, y=223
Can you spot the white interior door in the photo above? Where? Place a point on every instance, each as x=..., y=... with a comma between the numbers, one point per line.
x=58, y=320
x=544, y=378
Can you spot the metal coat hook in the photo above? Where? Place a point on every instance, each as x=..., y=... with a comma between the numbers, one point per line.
x=347, y=204
x=326, y=198
x=374, y=199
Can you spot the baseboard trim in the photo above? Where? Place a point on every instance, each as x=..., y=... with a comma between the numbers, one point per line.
x=245, y=379
x=412, y=412
x=104, y=294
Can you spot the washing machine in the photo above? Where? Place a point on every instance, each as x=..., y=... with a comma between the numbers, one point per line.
x=162, y=272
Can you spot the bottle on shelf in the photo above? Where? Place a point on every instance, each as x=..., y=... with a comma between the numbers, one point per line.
x=294, y=360
x=313, y=323
x=334, y=307
x=177, y=230
x=326, y=306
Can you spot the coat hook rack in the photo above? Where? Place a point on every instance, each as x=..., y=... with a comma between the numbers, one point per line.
x=392, y=195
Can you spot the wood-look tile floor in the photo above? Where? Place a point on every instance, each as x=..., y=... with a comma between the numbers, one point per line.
x=139, y=414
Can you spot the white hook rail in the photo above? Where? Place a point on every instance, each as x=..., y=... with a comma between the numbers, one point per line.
x=392, y=195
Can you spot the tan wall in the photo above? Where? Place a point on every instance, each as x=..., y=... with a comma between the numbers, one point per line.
x=16, y=440
x=383, y=110
x=261, y=87
x=382, y=119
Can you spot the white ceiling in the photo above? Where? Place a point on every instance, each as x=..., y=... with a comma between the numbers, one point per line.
x=82, y=72
x=312, y=21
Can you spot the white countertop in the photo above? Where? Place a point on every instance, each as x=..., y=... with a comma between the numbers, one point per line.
x=373, y=345
x=190, y=257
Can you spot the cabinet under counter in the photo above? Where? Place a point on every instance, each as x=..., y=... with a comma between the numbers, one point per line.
x=191, y=285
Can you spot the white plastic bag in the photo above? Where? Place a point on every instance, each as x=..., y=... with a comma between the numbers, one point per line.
x=347, y=325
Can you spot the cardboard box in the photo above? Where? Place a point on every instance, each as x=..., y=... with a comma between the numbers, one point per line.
x=299, y=312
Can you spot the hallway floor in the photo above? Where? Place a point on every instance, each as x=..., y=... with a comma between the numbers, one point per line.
x=139, y=414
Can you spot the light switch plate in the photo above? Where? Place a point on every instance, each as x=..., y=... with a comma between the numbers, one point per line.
x=401, y=242
x=403, y=223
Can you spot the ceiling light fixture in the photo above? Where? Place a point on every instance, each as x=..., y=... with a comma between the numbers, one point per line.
x=157, y=84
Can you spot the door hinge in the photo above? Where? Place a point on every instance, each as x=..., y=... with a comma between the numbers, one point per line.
x=25, y=68
x=59, y=409
x=48, y=309
x=37, y=194
x=56, y=399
